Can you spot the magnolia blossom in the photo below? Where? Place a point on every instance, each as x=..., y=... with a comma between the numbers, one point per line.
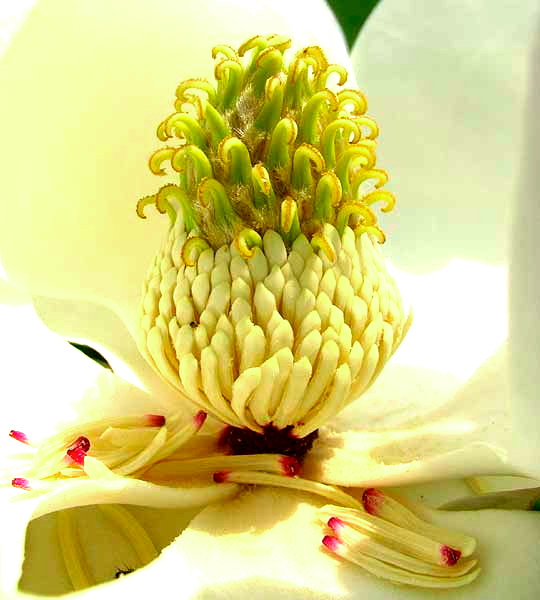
x=415, y=424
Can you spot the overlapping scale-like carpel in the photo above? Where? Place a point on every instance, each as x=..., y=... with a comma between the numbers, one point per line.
x=269, y=303
x=282, y=338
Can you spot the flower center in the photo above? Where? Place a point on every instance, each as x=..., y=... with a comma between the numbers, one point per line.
x=272, y=441
x=269, y=304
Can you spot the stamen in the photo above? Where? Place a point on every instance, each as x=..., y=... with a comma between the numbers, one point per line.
x=273, y=463
x=450, y=555
x=36, y=485
x=78, y=450
x=70, y=547
x=379, y=504
x=20, y=437
x=116, y=451
x=369, y=546
x=132, y=530
x=144, y=457
x=296, y=483
x=22, y=483
x=403, y=540
x=179, y=438
x=395, y=574
x=128, y=438
x=92, y=428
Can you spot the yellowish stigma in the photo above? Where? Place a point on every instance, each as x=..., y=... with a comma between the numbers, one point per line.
x=274, y=143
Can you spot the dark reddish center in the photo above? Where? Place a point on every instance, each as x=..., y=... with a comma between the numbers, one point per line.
x=272, y=441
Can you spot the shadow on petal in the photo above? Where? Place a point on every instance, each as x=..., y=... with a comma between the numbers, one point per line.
x=105, y=549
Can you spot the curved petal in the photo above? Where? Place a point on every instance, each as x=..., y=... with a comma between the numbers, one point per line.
x=83, y=124
x=46, y=382
x=18, y=511
x=416, y=430
x=104, y=547
x=448, y=90
x=268, y=544
x=468, y=90
x=96, y=325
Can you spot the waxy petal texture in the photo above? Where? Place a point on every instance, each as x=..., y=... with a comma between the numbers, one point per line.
x=276, y=539
x=105, y=77
x=524, y=336
x=448, y=83
x=414, y=428
x=46, y=382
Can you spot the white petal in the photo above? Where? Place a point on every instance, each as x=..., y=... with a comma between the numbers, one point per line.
x=83, y=124
x=268, y=544
x=414, y=428
x=17, y=510
x=453, y=97
x=460, y=316
x=46, y=382
x=524, y=336
x=448, y=90
x=96, y=325
x=105, y=549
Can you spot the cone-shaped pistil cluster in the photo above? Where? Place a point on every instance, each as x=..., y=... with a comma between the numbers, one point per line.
x=269, y=304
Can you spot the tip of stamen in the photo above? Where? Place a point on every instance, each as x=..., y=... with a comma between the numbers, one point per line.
x=77, y=456
x=199, y=419
x=331, y=542
x=21, y=483
x=155, y=420
x=335, y=524
x=372, y=500
x=78, y=450
x=19, y=436
x=221, y=476
x=450, y=555
x=81, y=443
x=291, y=466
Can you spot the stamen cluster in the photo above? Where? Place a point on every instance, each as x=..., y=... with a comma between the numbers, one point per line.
x=391, y=542
x=148, y=447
